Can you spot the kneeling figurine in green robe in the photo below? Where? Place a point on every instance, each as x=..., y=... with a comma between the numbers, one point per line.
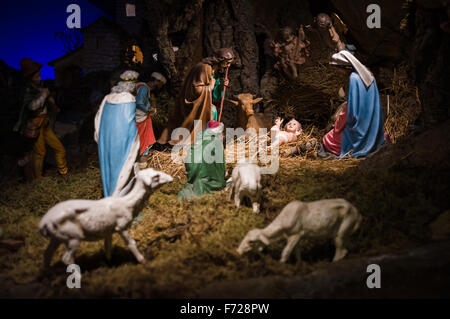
x=205, y=163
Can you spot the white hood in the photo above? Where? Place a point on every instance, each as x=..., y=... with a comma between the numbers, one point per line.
x=345, y=58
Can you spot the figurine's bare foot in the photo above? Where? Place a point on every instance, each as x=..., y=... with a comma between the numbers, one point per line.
x=161, y=141
x=164, y=137
x=143, y=261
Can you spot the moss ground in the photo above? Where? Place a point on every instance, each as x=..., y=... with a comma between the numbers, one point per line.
x=193, y=244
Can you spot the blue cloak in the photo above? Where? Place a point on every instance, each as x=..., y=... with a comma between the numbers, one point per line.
x=117, y=136
x=364, y=131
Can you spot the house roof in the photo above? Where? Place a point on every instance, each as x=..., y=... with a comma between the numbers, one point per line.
x=102, y=20
x=65, y=56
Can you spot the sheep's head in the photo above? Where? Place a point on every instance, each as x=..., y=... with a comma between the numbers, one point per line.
x=245, y=101
x=153, y=178
x=253, y=239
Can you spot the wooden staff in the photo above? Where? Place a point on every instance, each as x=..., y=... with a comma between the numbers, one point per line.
x=223, y=94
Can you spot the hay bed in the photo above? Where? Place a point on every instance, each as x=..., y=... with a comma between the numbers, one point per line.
x=404, y=105
x=312, y=98
x=233, y=152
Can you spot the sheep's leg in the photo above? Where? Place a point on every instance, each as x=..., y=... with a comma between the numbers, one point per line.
x=237, y=199
x=292, y=241
x=72, y=246
x=51, y=248
x=257, y=200
x=344, y=231
x=108, y=246
x=129, y=241
x=340, y=249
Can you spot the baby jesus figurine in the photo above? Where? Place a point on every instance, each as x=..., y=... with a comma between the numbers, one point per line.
x=292, y=129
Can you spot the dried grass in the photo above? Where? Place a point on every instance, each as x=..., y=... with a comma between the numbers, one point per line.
x=312, y=98
x=163, y=161
x=189, y=245
x=404, y=105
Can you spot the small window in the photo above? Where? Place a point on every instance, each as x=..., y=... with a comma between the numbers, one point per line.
x=138, y=57
x=130, y=10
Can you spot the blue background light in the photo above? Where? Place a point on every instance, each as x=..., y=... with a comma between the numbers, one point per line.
x=27, y=29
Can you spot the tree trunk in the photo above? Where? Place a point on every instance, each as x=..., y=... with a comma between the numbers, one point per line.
x=207, y=26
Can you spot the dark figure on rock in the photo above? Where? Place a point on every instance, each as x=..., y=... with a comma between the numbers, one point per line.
x=290, y=51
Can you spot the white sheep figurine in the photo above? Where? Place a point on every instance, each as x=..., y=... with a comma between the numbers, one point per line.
x=73, y=221
x=246, y=183
x=329, y=218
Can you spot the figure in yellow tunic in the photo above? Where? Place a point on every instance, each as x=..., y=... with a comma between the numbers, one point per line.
x=34, y=119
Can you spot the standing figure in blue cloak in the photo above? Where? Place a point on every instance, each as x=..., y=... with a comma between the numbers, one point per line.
x=359, y=127
x=117, y=135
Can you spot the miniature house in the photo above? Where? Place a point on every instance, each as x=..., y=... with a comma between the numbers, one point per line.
x=108, y=43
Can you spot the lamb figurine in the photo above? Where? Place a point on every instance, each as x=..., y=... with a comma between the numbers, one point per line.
x=73, y=221
x=329, y=218
x=246, y=183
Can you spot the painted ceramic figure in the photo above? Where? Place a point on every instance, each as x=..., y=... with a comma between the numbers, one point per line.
x=246, y=183
x=37, y=104
x=279, y=136
x=143, y=119
x=195, y=100
x=73, y=221
x=359, y=127
x=117, y=135
x=327, y=31
x=205, y=163
x=291, y=51
x=323, y=219
x=246, y=117
x=219, y=79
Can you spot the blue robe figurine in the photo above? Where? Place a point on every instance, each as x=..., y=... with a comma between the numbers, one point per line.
x=118, y=141
x=364, y=131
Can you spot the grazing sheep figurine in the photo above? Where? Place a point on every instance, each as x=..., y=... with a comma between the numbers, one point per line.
x=329, y=218
x=73, y=221
x=246, y=182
